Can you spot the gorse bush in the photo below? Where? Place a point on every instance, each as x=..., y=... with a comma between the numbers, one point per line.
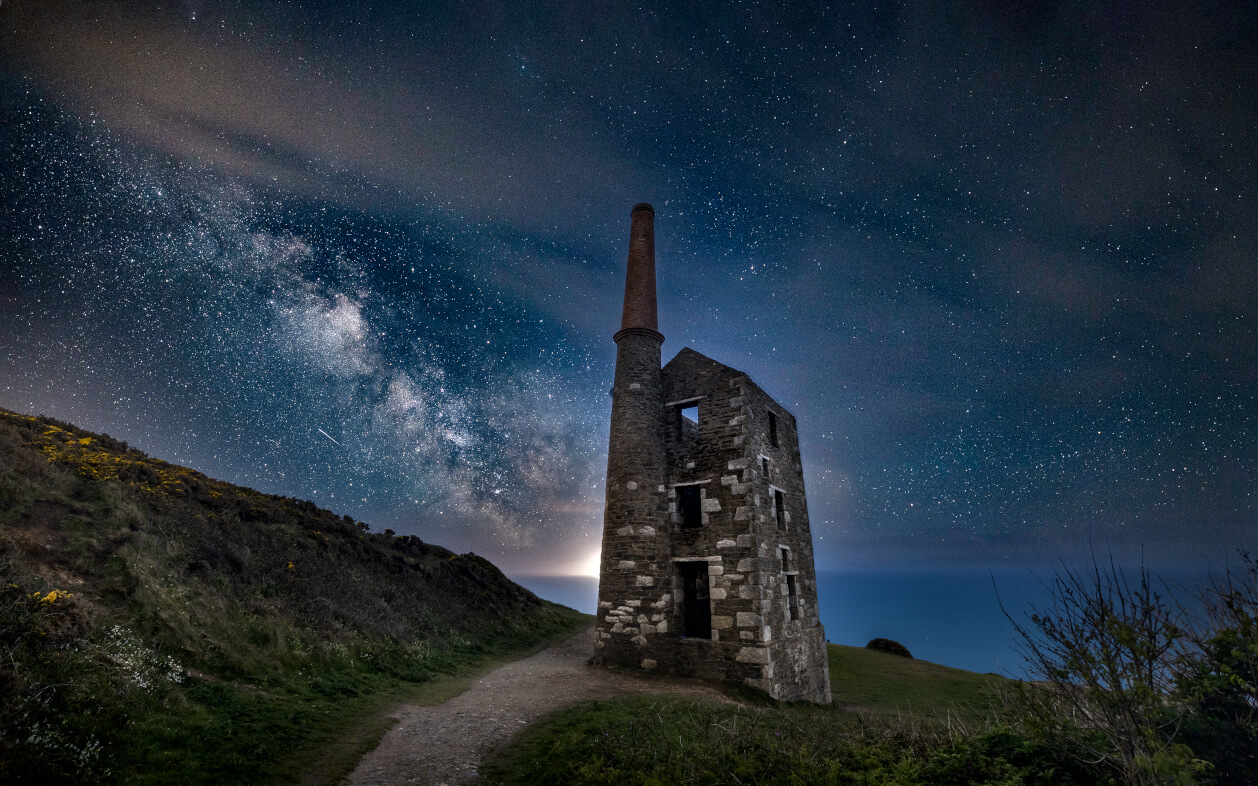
x=159, y=625
x=65, y=690
x=889, y=646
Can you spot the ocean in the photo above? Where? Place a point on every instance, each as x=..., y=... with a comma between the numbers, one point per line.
x=947, y=616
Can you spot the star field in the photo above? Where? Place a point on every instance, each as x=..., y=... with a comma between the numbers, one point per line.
x=997, y=260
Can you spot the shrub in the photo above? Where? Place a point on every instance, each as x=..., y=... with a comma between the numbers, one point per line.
x=1218, y=678
x=887, y=645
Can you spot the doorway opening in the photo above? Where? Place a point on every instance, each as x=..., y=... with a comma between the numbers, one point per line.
x=696, y=608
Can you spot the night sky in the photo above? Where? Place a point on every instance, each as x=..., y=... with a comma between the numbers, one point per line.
x=998, y=258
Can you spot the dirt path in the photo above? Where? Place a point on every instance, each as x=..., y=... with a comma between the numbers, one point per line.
x=445, y=744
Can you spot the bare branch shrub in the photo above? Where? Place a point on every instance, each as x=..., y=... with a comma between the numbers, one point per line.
x=1103, y=651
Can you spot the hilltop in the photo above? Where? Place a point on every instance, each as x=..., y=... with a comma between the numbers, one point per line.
x=159, y=625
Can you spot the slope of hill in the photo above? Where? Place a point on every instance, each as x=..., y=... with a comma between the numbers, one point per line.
x=159, y=625
x=894, y=721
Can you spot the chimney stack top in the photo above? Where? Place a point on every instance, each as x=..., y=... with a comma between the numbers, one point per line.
x=639, y=317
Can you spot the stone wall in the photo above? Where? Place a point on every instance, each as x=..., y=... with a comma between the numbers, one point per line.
x=752, y=552
x=635, y=586
x=754, y=638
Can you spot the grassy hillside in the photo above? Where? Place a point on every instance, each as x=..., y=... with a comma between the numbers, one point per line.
x=890, y=686
x=894, y=721
x=157, y=625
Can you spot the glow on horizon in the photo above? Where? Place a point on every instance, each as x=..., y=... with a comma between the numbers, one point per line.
x=592, y=563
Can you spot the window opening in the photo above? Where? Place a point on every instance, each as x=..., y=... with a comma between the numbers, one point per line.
x=792, y=599
x=786, y=559
x=696, y=607
x=764, y=464
x=690, y=505
x=688, y=421
x=779, y=509
x=773, y=429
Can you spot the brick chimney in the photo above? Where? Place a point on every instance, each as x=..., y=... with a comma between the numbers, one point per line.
x=639, y=316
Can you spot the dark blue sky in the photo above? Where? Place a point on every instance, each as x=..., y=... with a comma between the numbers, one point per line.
x=999, y=259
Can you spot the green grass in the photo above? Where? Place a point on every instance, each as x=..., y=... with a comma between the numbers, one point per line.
x=895, y=721
x=204, y=633
x=309, y=730
x=896, y=687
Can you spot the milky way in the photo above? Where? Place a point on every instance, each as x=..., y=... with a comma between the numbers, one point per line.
x=999, y=261
x=229, y=331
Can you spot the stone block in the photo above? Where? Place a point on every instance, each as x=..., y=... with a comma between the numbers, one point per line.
x=717, y=593
x=626, y=564
x=709, y=506
x=740, y=489
x=758, y=655
x=646, y=531
x=746, y=565
x=648, y=663
x=631, y=486
x=644, y=581
x=729, y=480
x=633, y=604
x=738, y=464
x=662, y=627
x=721, y=622
x=726, y=544
x=748, y=620
x=647, y=630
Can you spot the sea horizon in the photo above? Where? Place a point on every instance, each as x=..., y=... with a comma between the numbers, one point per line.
x=953, y=616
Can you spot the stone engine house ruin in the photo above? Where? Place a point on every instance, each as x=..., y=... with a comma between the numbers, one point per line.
x=707, y=567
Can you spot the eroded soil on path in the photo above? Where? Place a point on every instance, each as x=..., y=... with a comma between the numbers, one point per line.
x=445, y=744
